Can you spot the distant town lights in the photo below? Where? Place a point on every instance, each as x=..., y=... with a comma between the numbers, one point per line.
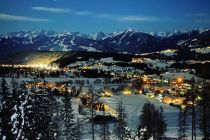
x=127, y=92
x=39, y=66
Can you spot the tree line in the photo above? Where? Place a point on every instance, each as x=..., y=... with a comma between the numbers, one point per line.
x=25, y=115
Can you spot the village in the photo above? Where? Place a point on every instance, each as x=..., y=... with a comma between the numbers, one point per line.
x=97, y=86
x=169, y=87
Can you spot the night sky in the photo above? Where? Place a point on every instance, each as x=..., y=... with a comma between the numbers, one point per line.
x=88, y=16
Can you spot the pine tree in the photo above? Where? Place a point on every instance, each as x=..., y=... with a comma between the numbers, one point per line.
x=104, y=131
x=162, y=126
x=146, y=119
x=121, y=124
x=191, y=96
x=6, y=111
x=182, y=123
x=29, y=130
x=205, y=112
x=20, y=100
x=92, y=112
x=54, y=131
x=68, y=118
x=23, y=117
x=152, y=123
x=54, y=128
x=14, y=83
x=42, y=115
x=156, y=125
x=78, y=134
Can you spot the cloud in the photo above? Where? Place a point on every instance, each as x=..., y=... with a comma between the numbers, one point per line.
x=107, y=16
x=83, y=13
x=21, y=18
x=197, y=14
x=138, y=18
x=128, y=18
x=51, y=10
x=116, y=17
x=203, y=21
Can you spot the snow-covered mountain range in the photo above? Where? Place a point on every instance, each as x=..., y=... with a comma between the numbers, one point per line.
x=127, y=41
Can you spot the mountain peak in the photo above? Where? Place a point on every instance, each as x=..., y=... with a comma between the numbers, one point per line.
x=130, y=30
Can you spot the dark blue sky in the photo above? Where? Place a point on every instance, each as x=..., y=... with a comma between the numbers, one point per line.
x=89, y=16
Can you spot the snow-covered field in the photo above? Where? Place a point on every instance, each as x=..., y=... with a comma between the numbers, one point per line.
x=134, y=104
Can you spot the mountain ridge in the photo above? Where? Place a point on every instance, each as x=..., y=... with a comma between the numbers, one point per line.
x=127, y=41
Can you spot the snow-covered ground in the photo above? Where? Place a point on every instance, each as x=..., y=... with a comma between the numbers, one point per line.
x=202, y=50
x=134, y=104
x=168, y=52
x=154, y=64
x=174, y=75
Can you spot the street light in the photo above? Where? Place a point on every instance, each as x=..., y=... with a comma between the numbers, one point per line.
x=179, y=80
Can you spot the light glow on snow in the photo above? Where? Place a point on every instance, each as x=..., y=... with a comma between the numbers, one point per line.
x=39, y=66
